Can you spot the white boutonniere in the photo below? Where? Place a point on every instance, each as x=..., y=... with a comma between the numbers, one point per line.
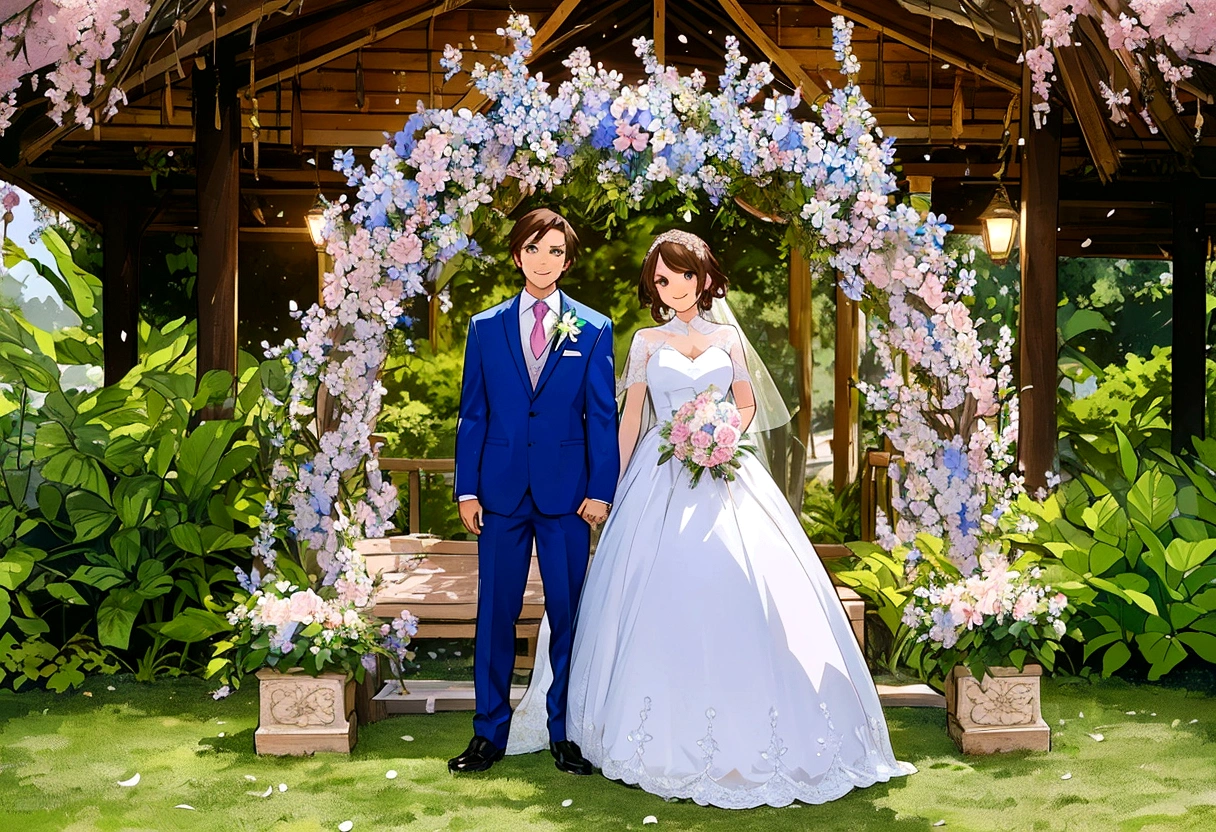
x=570, y=326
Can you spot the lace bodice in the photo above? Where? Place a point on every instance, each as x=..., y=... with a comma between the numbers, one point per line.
x=673, y=378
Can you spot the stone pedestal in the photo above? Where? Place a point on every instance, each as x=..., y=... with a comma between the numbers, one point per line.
x=1000, y=714
x=302, y=714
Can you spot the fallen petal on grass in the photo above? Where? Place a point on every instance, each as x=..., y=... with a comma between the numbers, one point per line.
x=1066, y=775
x=269, y=791
x=391, y=774
x=184, y=806
x=408, y=738
x=939, y=823
x=251, y=778
x=282, y=788
x=134, y=781
x=1097, y=737
x=346, y=826
x=649, y=819
x=567, y=802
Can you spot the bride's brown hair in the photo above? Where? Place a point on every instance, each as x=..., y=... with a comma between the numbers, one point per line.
x=697, y=259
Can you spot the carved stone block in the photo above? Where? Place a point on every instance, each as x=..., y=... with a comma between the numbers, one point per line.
x=302, y=714
x=1000, y=714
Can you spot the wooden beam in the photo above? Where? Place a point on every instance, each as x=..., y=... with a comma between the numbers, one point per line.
x=660, y=31
x=217, y=119
x=372, y=24
x=1189, y=252
x=1037, y=348
x=845, y=432
x=777, y=56
x=905, y=27
x=802, y=333
x=474, y=100
x=1094, y=124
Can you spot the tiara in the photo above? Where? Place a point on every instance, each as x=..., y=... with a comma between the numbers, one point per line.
x=683, y=238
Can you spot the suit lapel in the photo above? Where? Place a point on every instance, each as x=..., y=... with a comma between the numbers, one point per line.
x=515, y=344
x=554, y=353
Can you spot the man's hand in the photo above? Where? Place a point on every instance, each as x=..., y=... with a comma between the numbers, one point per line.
x=470, y=515
x=594, y=512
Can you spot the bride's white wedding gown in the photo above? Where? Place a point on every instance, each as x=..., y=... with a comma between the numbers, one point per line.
x=712, y=658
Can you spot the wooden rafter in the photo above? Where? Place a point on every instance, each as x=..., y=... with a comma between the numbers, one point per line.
x=474, y=100
x=775, y=54
x=1095, y=126
x=372, y=24
x=905, y=27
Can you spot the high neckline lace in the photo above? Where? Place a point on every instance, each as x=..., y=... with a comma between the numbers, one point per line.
x=698, y=324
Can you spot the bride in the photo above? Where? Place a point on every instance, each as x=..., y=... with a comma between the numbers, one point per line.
x=712, y=658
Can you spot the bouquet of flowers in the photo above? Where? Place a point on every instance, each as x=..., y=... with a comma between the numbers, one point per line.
x=276, y=623
x=999, y=616
x=705, y=435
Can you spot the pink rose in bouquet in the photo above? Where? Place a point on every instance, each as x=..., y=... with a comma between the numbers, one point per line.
x=705, y=435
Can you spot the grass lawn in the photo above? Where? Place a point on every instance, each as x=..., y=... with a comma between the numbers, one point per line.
x=61, y=758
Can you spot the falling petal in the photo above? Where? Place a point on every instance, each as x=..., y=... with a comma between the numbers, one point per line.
x=282, y=788
x=1087, y=242
x=649, y=819
x=346, y=826
x=1066, y=775
x=567, y=802
x=88, y=693
x=457, y=653
x=1081, y=715
x=1096, y=737
x=391, y=774
x=1192, y=722
x=134, y=781
x=184, y=806
x=432, y=654
x=1110, y=213
x=1153, y=714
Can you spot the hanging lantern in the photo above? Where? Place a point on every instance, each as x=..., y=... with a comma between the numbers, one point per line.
x=999, y=222
x=316, y=227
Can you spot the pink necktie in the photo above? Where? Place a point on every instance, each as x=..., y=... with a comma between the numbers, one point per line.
x=539, y=340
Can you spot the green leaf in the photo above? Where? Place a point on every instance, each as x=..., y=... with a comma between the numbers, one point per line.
x=90, y=515
x=1154, y=554
x=1185, y=556
x=187, y=538
x=1115, y=658
x=1152, y=499
x=66, y=593
x=17, y=565
x=1204, y=644
x=98, y=577
x=135, y=498
x=116, y=617
x=1143, y=601
x=1102, y=557
x=193, y=625
x=126, y=545
x=200, y=457
x=1127, y=456
x=50, y=501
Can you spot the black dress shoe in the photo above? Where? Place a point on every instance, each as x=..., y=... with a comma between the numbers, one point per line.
x=567, y=757
x=479, y=756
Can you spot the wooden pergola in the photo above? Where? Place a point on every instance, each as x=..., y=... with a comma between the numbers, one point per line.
x=262, y=92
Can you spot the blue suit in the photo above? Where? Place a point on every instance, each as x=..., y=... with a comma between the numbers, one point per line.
x=531, y=457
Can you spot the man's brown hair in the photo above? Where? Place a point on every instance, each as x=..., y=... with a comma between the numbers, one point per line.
x=535, y=224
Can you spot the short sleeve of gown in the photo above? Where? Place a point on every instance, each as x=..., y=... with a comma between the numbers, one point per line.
x=738, y=360
x=640, y=350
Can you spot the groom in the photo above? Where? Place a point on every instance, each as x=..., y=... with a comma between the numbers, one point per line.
x=536, y=462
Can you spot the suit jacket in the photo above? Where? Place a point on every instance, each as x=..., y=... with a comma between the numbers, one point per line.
x=559, y=440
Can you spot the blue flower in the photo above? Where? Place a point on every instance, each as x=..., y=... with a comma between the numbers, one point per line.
x=405, y=322
x=294, y=356
x=955, y=462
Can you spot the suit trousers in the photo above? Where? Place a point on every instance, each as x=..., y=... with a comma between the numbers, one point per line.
x=563, y=546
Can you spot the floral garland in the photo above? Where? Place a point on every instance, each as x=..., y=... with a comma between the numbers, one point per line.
x=1162, y=33
x=77, y=39
x=435, y=181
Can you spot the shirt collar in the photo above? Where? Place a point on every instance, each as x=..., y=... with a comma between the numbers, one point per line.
x=527, y=300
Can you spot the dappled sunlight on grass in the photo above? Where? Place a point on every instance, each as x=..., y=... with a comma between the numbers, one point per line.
x=60, y=770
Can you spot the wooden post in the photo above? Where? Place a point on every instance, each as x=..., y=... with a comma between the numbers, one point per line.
x=217, y=142
x=660, y=30
x=120, y=285
x=1037, y=343
x=1190, y=313
x=845, y=429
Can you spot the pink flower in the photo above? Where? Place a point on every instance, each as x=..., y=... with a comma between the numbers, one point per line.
x=699, y=457
x=701, y=440
x=931, y=291
x=680, y=452
x=630, y=136
x=679, y=433
x=1023, y=608
x=303, y=606
x=720, y=456
x=406, y=249
x=965, y=613
x=728, y=436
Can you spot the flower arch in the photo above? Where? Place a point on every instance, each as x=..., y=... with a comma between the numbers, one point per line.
x=436, y=180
